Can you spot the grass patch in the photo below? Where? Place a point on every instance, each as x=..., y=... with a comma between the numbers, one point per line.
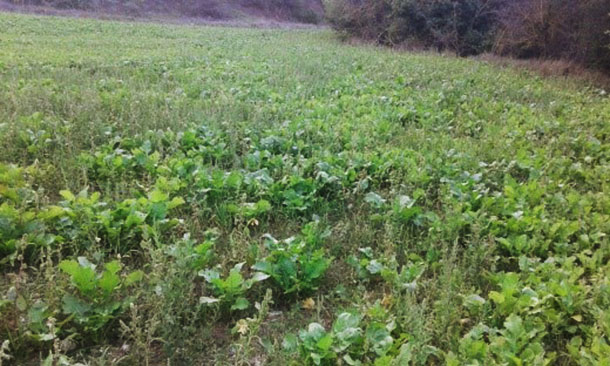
x=204, y=195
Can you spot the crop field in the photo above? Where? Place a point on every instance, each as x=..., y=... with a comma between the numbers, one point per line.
x=181, y=195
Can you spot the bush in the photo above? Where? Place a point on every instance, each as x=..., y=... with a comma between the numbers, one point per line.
x=568, y=29
x=367, y=19
x=556, y=29
x=464, y=27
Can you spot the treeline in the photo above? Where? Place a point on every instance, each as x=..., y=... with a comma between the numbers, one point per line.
x=308, y=11
x=577, y=30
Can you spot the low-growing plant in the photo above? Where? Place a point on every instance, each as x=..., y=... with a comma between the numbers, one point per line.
x=86, y=218
x=230, y=292
x=23, y=225
x=297, y=264
x=97, y=297
x=481, y=192
x=370, y=268
x=354, y=339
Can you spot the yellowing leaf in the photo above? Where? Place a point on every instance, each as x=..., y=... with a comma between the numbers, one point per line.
x=242, y=326
x=308, y=304
x=387, y=300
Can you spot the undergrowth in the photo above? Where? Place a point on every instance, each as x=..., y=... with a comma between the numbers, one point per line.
x=188, y=195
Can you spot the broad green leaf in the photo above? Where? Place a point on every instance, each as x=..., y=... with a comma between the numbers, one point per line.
x=82, y=277
x=209, y=274
x=133, y=277
x=157, y=196
x=108, y=282
x=240, y=304
x=234, y=281
x=345, y=321
x=175, y=202
x=496, y=297
x=374, y=199
x=135, y=218
x=259, y=276
x=52, y=212
x=379, y=338
x=67, y=195
x=290, y=343
x=73, y=305
x=374, y=267
x=113, y=266
x=325, y=342
x=69, y=266
x=265, y=267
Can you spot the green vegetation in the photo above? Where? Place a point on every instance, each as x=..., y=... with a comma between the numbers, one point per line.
x=429, y=210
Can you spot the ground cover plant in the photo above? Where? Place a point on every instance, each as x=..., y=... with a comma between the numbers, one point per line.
x=175, y=195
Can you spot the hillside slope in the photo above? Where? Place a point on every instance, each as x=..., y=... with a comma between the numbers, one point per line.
x=304, y=11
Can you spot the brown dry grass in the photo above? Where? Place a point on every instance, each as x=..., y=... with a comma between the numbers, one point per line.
x=559, y=69
x=553, y=69
x=250, y=20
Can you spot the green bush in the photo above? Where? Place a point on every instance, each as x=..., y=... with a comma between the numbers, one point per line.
x=465, y=27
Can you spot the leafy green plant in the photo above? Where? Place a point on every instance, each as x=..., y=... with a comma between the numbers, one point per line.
x=314, y=345
x=482, y=193
x=365, y=264
x=23, y=228
x=519, y=343
x=398, y=277
x=230, y=292
x=86, y=217
x=297, y=194
x=297, y=264
x=97, y=296
x=352, y=339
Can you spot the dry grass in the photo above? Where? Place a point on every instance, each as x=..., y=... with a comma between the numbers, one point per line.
x=558, y=69
x=553, y=69
x=249, y=19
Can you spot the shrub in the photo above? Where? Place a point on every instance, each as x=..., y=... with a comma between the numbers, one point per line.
x=367, y=19
x=569, y=29
x=464, y=27
x=556, y=29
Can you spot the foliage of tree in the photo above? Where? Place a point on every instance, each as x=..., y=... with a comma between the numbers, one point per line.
x=570, y=29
